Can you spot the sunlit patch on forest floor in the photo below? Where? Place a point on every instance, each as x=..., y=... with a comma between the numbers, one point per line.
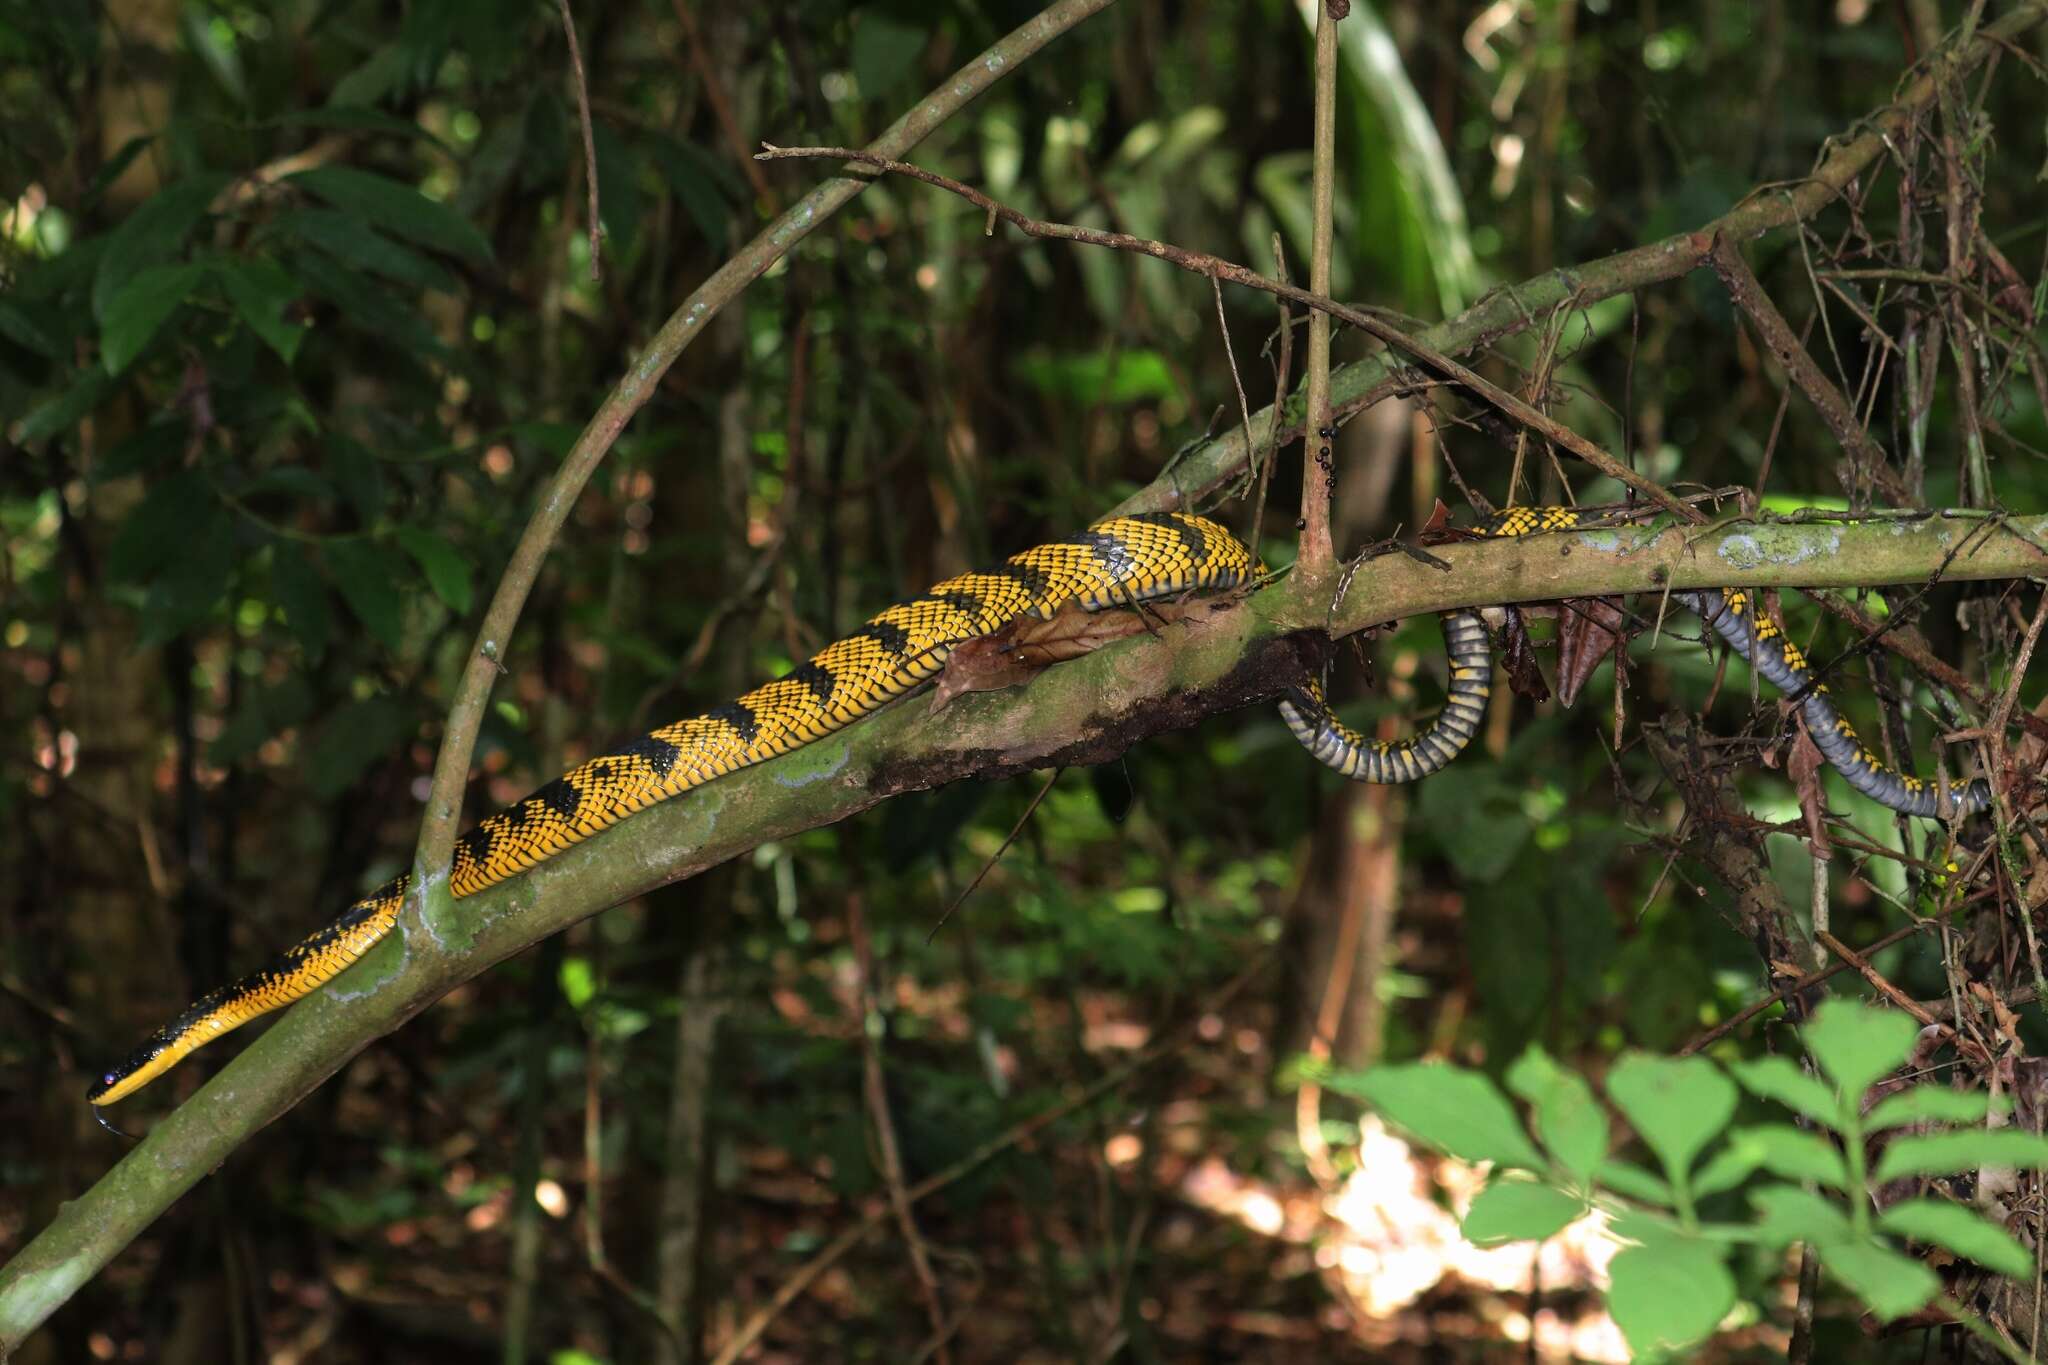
x=1387, y=1245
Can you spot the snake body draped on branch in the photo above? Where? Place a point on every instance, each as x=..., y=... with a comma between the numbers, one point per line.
x=1122, y=561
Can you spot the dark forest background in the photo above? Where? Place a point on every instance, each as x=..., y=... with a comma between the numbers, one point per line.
x=297, y=313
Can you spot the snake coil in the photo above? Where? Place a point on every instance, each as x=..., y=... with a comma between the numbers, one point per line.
x=1121, y=561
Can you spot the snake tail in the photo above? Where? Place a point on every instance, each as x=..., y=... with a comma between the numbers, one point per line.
x=1756, y=637
x=1117, y=562
x=1336, y=744
x=1752, y=634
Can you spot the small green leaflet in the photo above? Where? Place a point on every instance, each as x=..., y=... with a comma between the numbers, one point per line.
x=363, y=573
x=1676, y=1104
x=397, y=208
x=1515, y=1209
x=140, y=307
x=260, y=291
x=1669, y=1294
x=446, y=570
x=1452, y=1109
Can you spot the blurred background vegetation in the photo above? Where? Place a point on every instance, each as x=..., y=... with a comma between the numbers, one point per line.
x=299, y=312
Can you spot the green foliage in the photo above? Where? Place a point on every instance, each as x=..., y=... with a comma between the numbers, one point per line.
x=297, y=315
x=1673, y=1286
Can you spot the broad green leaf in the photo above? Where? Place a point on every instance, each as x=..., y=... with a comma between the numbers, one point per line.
x=363, y=573
x=354, y=471
x=1856, y=1044
x=579, y=981
x=22, y=328
x=1890, y=1285
x=298, y=588
x=260, y=291
x=1780, y=1079
x=1486, y=824
x=158, y=445
x=397, y=208
x=221, y=59
x=160, y=527
x=1676, y=1104
x=368, y=306
x=1627, y=1178
x=1670, y=1293
x=1515, y=1209
x=884, y=50
x=1929, y=1104
x=351, y=739
x=1962, y=1150
x=618, y=180
x=359, y=118
x=1963, y=1231
x=140, y=307
x=1793, y=1153
x=152, y=234
x=293, y=480
x=1726, y=1169
x=1412, y=218
x=88, y=388
x=1791, y=1214
x=1569, y=1121
x=446, y=569
x=187, y=588
x=700, y=184
x=370, y=81
x=1451, y=1109
x=354, y=242
x=112, y=168
x=1128, y=376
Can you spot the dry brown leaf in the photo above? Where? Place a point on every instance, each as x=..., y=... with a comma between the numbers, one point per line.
x=1804, y=767
x=1588, y=630
x=1518, y=659
x=1437, y=530
x=983, y=664
x=1017, y=653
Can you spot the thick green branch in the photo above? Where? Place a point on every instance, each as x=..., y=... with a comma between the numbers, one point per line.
x=1085, y=711
x=1956, y=546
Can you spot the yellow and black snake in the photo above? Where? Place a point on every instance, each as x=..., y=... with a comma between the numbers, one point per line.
x=1121, y=561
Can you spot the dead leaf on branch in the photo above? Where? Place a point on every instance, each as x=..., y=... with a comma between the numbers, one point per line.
x=1588, y=630
x=1804, y=766
x=1026, y=647
x=1518, y=659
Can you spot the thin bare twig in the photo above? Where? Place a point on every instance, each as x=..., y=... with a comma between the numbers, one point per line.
x=1244, y=405
x=1884, y=987
x=877, y=1095
x=1866, y=460
x=1202, y=263
x=995, y=857
x=1796, y=988
x=595, y=227
x=1282, y=376
x=1315, y=558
